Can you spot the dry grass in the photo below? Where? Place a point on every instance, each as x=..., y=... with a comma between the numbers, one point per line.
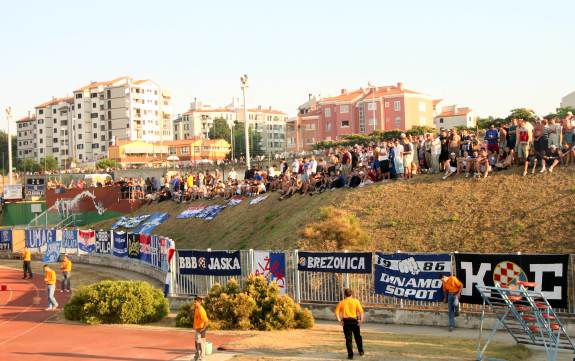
x=503, y=213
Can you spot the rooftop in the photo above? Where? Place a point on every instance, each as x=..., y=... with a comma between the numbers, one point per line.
x=96, y=84
x=458, y=112
x=26, y=119
x=69, y=100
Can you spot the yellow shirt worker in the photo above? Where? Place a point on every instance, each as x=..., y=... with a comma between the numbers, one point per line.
x=451, y=292
x=200, y=327
x=349, y=314
x=27, y=263
x=66, y=268
x=50, y=279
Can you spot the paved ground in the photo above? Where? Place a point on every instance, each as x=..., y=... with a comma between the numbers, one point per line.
x=27, y=334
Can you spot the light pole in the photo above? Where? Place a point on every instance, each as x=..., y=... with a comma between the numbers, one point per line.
x=244, y=81
x=8, y=118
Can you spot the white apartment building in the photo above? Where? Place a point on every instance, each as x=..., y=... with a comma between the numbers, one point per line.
x=26, y=135
x=568, y=100
x=268, y=122
x=452, y=116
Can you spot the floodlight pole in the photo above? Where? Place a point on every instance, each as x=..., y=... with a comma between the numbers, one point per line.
x=8, y=118
x=244, y=81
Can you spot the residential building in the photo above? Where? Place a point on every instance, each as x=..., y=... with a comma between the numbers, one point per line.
x=452, y=116
x=188, y=151
x=53, y=136
x=199, y=119
x=26, y=137
x=568, y=100
x=362, y=111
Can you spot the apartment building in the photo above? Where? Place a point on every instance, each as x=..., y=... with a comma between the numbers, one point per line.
x=268, y=122
x=452, y=116
x=52, y=130
x=361, y=111
x=26, y=136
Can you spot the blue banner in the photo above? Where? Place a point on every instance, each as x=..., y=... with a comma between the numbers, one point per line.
x=129, y=222
x=154, y=220
x=411, y=276
x=103, y=242
x=37, y=238
x=217, y=263
x=5, y=240
x=69, y=239
x=52, y=253
x=120, y=244
x=336, y=262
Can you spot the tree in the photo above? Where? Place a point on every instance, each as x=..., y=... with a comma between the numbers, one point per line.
x=522, y=113
x=220, y=130
x=106, y=163
x=562, y=112
x=239, y=141
x=49, y=163
x=4, y=151
x=29, y=165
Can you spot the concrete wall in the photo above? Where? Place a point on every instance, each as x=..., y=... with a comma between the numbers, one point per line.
x=121, y=263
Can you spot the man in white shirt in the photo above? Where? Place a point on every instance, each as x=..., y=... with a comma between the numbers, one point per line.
x=313, y=165
x=295, y=166
x=233, y=175
x=435, y=152
x=271, y=171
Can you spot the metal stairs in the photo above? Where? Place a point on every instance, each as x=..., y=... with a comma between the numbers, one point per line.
x=526, y=315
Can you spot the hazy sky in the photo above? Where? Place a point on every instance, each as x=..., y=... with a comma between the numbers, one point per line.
x=490, y=55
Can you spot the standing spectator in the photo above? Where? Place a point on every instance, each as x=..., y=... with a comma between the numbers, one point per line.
x=346, y=164
x=492, y=138
x=444, y=155
x=435, y=154
x=295, y=166
x=407, y=156
x=465, y=142
x=427, y=146
x=200, y=328
x=512, y=134
x=555, y=133
x=540, y=143
x=398, y=160
x=349, y=314
x=50, y=279
x=66, y=268
x=568, y=128
x=502, y=138
x=27, y=263
x=451, y=293
x=524, y=140
x=454, y=142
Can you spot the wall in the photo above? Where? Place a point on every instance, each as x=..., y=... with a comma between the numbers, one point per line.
x=121, y=263
x=15, y=214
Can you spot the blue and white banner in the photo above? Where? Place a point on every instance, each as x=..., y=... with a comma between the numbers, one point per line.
x=411, y=276
x=156, y=259
x=129, y=222
x=38, y=238
x=69, y=239
x=154, y=220
x=103, y=242
x=5, y=240
x=336, y=262
x=86, y=241
x=271, y=265
x=216, y=263
x=52, y=253
x=120, y=244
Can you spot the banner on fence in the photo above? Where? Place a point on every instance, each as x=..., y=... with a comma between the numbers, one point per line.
x=6, y=240
x=155, y=256
x=154, y=220
x=52, y=253
x=271, y=265
x=12, y=191
x=337, y=262
x=120, y=244
x=69, y=240
x=103, y=242
x=167, y=250
x=216, y=263
x=38, y=238
x=134, y=245
x=86, y=241
x=145, y=243
x=411, y=276
x=549, y=272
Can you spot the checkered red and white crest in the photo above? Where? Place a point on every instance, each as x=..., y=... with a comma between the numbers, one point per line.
x=508, y=273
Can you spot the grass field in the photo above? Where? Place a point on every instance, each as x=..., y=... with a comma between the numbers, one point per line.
x=503, y=213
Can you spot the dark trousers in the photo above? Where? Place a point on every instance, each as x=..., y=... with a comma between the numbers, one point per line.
x=27, y=269
x=351, y=327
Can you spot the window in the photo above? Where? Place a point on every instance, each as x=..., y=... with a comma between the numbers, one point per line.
x=79, y=106
x=41, y=140
x=53, y=111
x=371, y=106
x=387, y=104
x=109, y=94
x=41, y=111
x=41, y=149
x=79, y=126
x=102, y=127
x=397, y=122
x=397, y=105
x=421, y=106
x=310, y=127
x=95, y=145
x=95, y=135
x=79, y=96
x=372, y=122
x=422, y=120
x=345, y=123
x=79, y=136
x=440, y=120
x=80, y=116
x=109, y=115
x=327, y=112
x=94, y=95
x=102, y=117
x=93, y=105
x=41, y=131
x=185, y=150
x=109, y=104
x=343, y=109
x=94, y=125
x=94, y=115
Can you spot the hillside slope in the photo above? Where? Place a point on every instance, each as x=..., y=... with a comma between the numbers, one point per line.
x=504, y=213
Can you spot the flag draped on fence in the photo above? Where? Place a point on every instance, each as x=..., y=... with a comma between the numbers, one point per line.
x=6, y=240
x=86, y=241
x=120, y=244
x=271, y=265
x=103, y=242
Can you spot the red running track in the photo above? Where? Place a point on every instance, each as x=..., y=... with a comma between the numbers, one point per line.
x=26, y=333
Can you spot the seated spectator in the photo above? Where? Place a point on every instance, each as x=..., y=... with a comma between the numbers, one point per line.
x=531, y=160
x=450, y=165
x=482, y=166
x=506, y=159
x=552, y=158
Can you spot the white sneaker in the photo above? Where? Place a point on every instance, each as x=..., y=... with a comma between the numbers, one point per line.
x=550, y=170
x=444, y=177
x=542, y=170
x=524, y=173
x=48, y=309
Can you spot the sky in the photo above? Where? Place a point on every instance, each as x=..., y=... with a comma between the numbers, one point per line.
x=490, y=55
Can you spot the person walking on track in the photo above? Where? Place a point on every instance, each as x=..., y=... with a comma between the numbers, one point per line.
x=200, y=327
x=66, y=268
x=349, y=314
x=451, y=292
x=50, y=279
x=27, y=263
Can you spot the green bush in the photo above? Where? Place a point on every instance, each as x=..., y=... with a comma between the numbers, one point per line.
x=126, y=302
x=258, y=305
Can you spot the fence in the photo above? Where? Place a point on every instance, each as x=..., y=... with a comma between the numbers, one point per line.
x=324, y=287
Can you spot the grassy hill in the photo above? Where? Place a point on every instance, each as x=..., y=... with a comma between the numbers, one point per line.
x=503, y=213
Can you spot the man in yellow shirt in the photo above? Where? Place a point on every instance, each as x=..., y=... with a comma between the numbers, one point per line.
x=451, y=292
x=200, y=327
x=349, y=314
x=50, y=279
x=27, y=263
x=66, y=268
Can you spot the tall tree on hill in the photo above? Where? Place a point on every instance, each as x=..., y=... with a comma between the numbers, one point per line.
x=4, y=151
x=220, y=130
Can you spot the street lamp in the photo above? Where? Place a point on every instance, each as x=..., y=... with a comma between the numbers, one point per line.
x=244, y=81
x=8, y=118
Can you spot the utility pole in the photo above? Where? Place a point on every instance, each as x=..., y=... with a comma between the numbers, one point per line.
x=244, y=81
x=8, y=118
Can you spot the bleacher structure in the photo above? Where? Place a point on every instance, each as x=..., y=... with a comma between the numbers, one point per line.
x=526, y=315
